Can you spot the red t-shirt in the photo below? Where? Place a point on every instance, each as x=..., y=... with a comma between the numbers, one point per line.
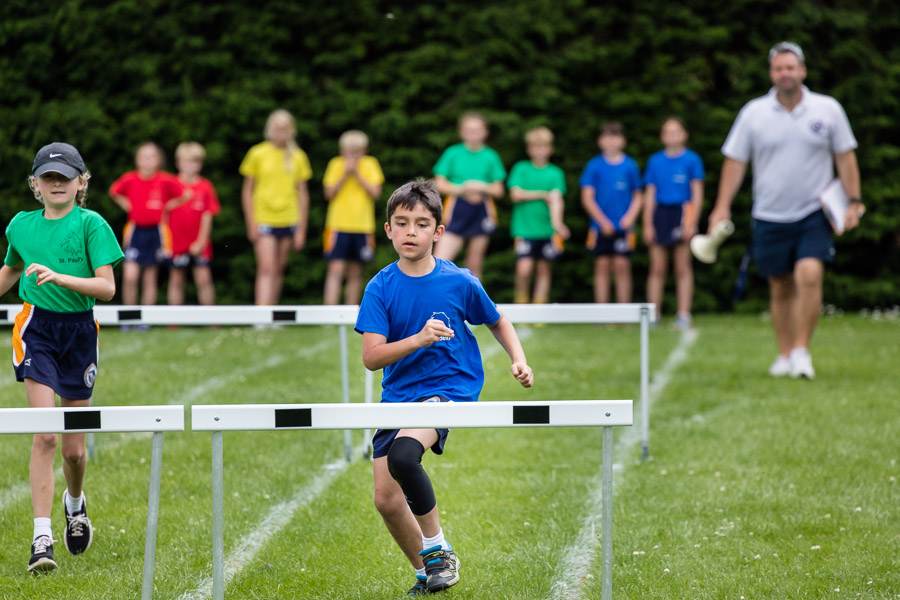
x=148, y=197
x=184, y=221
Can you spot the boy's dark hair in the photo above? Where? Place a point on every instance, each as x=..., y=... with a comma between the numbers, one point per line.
x=612, y=128
x=677, y=119
x=417, y=191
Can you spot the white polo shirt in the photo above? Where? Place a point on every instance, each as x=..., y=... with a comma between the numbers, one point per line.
x=792, y=152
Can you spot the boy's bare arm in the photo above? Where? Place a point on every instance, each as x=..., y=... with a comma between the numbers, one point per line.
x=505, y=333
x=378, y=353
x=649, y=209
x=634, y=209
x=589, y=204
x=8, y=277
x=445, y=188
x=517, y=194
x=697, y=202
x=199, y=244
x=101, y=286
x=123, y=202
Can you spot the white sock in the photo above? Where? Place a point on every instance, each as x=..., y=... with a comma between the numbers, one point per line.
x=42, y=527
x=799, y=351
x=438, y=540
x=420, y=572
x=73, y=505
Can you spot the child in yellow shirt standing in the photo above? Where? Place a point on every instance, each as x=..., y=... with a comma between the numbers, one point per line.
x=352, y=184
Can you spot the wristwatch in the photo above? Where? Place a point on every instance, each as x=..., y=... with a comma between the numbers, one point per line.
x=860, y=209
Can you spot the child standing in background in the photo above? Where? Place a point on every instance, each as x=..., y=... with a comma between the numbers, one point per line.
x=191, y=225
x=611, y=196
x=146, y=194
x=470, y=175
x=275, y=199
x=63, y=258
x=673, y=199
x=536, y=189
x=352, y=184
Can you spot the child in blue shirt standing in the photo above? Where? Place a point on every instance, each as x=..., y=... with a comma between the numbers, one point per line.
x=673, y=199
x=412, y=318
x=611, y=196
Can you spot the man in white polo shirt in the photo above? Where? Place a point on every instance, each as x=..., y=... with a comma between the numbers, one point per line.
x=794, y=138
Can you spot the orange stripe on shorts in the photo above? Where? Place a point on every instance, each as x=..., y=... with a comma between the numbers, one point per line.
x=21, y=324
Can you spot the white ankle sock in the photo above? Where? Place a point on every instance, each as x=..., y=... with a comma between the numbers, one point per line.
x=42, y=527
x=73, y=505
x=420, y=572
x=438, y=540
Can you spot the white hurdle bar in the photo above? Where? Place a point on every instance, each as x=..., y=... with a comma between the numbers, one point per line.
x=287, y=417
x=344, y=315
x=111, y=419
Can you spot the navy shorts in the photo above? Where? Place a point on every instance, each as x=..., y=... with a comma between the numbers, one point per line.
x=470, y=220
x=187, y=260
x=546, y=249
x=668, y=223
x=356, y=247
x=57, y=349
x=383, y=438
x=147, y=245
x=619, y=244
x=277, y=232
x=778, y=246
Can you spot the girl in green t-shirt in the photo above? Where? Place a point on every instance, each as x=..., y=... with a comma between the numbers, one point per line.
x=63, y=257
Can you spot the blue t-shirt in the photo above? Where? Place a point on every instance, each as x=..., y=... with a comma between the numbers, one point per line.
x=613, y=186
x=672, y=175
x=397, y=306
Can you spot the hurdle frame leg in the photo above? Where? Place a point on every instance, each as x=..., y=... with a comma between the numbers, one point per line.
x=606, y=516
x=345, y=391
x=645, y=383
x=152, y=516
x=367, y=433
x=218, y=524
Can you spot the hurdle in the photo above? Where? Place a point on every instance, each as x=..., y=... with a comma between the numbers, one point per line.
x=111, y=419
x=642, y=314
x=291, y=417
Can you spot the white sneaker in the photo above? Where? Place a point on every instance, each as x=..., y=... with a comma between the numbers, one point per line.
x=781, y=366
x=801, y=364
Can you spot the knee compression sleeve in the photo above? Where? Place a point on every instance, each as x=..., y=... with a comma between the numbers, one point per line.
x=404, y=461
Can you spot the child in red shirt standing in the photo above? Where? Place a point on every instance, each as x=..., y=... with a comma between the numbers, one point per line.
x=191, y=225
x=146, y=194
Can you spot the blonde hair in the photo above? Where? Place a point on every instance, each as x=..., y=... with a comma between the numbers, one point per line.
x=190, y=151
x=80, y=197
x=283, y=116
x=353, y=140
x=539, y=135
x=473, y=115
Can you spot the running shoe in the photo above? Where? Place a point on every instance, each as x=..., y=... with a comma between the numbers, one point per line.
x=41, y=555
x=801, y=364
x=420, y=589
x=441, y=568
x=781, y=367
x=79, y=532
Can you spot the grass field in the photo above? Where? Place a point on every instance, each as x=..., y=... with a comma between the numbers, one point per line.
x=757, y=488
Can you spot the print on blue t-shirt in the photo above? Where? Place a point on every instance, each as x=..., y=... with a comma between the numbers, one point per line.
x=613, y=186
x=397, y=306
x=672, y=175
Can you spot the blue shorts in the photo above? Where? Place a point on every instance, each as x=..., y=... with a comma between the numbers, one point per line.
x=147, y=245
x=57, y=349
x=668, y=223
x=187, y=260
x=470, y=220
x=383, y=438
x=619, y=244
x=355, y=247
x=778, y=246
x=277, y=232
x=546, y=249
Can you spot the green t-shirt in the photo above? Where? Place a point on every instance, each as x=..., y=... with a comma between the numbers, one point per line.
x=531, y=219
x=75, y=245
x=459, y=164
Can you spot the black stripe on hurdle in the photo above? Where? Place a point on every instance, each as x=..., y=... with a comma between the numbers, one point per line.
x=4, y=315
x=531, y=415
x=293, y=417
x=88, y=419
x=284, y=315
x=130, y=315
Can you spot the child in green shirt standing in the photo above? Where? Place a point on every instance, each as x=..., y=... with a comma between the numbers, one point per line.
x=536, y=188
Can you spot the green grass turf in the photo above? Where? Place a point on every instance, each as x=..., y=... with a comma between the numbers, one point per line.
x=757, y=487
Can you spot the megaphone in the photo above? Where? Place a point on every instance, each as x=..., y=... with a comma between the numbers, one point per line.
x=705, y=247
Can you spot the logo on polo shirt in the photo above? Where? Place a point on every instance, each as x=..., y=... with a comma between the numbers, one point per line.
x=443, y=318
x=90, y=374
x=816, y=126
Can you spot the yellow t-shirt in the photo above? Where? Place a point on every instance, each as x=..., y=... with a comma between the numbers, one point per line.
x=275, y=187
x=352, y=210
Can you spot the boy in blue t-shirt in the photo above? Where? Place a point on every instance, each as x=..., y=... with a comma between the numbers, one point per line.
x=412, y=318
x=611, y=196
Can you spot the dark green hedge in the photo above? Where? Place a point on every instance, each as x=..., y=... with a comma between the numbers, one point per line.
x=107, y=75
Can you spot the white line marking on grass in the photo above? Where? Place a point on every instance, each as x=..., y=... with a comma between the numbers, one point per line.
x=277, y=518
x=575, y=565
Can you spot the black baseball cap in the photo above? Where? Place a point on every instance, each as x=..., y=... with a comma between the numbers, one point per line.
x=58, y=158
